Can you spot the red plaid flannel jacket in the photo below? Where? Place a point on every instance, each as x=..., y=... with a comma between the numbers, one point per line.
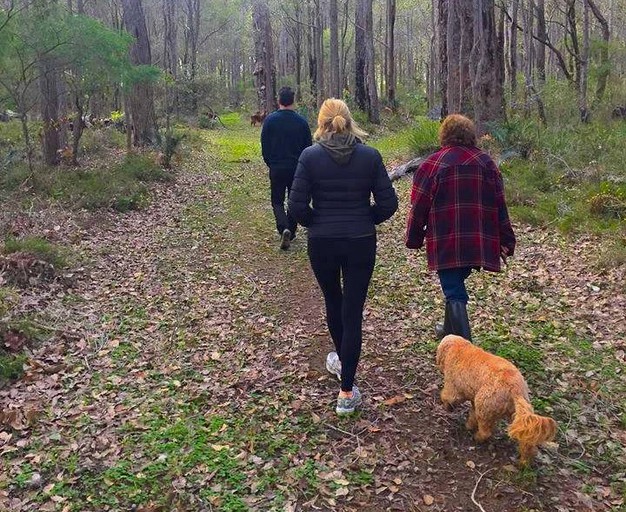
x=457, y=204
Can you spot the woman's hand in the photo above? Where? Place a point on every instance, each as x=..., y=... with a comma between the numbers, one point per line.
x=504, y=254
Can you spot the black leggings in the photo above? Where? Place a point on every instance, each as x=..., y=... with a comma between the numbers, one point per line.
x=353, y=259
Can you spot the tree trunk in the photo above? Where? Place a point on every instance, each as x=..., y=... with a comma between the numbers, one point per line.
x=513, y=48
x=584, y=65
x=360, y=21
x=453, y=45
x=605, y=64
x=141, y=98
x=298, y=48
x=432, y=62
x=530, y=91
x=319, y=53
x=77, y=132
x=310, y=37
x=373, y=108
x=390, y=79
x=465, y=16
x=540, y=55
x=442, y=23
x=49, y=90
x=335, y=86
x=486, y=77
x=264, y=71
x=191, y=37
x=170, y=48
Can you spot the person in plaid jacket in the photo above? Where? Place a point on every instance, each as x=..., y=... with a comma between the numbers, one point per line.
x=458, y=207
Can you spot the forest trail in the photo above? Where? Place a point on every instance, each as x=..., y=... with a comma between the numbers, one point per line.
x=190, y=375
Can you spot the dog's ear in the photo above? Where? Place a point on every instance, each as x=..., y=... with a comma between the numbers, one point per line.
x=442, y=350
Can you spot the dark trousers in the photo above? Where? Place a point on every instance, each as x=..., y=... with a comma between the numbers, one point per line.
x=453, y=283
x=280, y=183
x=350, y=260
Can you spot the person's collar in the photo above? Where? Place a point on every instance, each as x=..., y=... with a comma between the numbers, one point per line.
x=288, y=107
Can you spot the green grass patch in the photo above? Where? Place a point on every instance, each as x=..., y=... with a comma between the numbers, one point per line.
x=11, y=366
x=570, y=176
x=122, y=186
x=39, y=247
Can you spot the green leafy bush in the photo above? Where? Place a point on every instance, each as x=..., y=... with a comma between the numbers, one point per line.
x=424, y=138
x=519, y=135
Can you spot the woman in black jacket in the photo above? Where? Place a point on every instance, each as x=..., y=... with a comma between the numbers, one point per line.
x=331, y=196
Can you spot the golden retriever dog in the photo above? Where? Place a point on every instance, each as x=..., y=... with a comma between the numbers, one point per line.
x=496, y=390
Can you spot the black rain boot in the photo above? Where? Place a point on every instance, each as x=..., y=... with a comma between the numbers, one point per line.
x=459, y=321
x=445, y=328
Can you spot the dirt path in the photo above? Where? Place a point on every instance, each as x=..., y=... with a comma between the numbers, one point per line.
x=187, y=373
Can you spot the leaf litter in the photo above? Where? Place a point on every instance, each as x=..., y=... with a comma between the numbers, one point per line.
x=185, y=371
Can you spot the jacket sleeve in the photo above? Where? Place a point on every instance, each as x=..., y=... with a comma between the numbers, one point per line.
x=300, y=196
x=385, y=198
x=308, y=140
x=265, y=141
x=507, y=237
x=421, y=201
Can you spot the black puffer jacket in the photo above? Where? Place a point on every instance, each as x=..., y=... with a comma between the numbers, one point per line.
x=340, y=180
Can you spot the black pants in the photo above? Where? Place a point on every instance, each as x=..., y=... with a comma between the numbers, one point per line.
x=280, y=182
x=353, y=260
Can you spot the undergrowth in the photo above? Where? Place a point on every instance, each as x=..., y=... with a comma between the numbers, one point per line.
x=121, y=186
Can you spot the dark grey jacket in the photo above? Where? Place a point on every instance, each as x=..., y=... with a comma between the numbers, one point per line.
x=333, y=200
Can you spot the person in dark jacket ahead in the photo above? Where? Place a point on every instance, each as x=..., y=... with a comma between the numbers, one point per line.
x=331, y=196
x=284, y=135
x=457, y=204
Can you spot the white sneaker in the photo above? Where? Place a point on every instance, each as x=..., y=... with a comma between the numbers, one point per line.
x=285, y=239
x=333, y=364
x=348, y=405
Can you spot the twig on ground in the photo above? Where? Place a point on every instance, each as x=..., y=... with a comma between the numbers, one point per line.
x=476, y=487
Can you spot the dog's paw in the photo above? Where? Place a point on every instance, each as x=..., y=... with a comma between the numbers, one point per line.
x=471, y=425
x=448, y=406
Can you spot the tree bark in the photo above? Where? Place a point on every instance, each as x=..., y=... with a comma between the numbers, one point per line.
x=264, y=71
x=191, y=38
x=442, y=24
x=540, y=55
x=584, y=65
x=335, y=86
x=531, y=93
x=432, y=65
x=605, y=65
x=141, y=98
x=311, y=50
x=390, y=79
x=49, y=90
x=453, y=45
x=373, y=108
x=319, y=53
x=487, y=86
x=513, y=48
x=170, y=48
x=360, y=21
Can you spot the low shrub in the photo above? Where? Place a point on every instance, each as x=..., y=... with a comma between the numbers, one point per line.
x=424, y=137
x=121, y=186
x=39, y=247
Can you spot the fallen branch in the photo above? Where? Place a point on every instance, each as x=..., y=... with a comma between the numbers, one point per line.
x=401, y=170
x=476, y=487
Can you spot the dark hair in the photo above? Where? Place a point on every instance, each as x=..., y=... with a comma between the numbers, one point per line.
x=286, y=96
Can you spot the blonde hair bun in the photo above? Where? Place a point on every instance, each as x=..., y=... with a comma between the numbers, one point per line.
x=339, y=123
x=334, y=117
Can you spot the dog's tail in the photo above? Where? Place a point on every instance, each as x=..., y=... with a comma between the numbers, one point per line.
x=529, y=428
